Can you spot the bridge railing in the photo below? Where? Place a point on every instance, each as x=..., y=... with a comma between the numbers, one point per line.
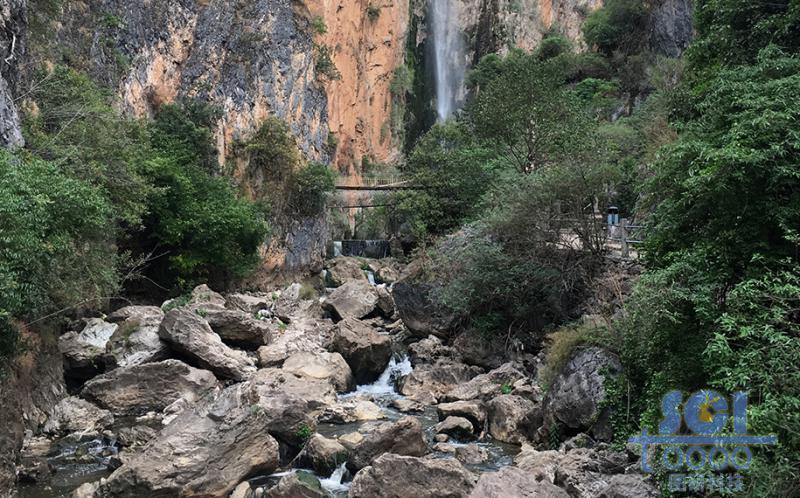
x=378, y=181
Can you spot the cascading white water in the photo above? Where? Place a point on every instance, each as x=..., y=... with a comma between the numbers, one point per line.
x=333, y=484
x=384, y=386
x=449, y=56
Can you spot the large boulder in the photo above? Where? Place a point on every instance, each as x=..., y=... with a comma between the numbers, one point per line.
x=140, y=389
x=430, y=350
x=249, y=303
x=239, y=329
x=355, y=299
x=430, y=382
x=297, y=301
x=190, y=335
x=513, y=419
x=457, y=427
x=422, y=314
x=321, y=454
x=350, y=411
x=404, y=437
x=583, y=472
x=298, y=484
x=322, y=365
x=365, y=351
x=317, y=393
x=204, y=452
x=136, y=340
x=203, y=297
x=511, y=482
x=83, y=351
x=474, y=411
x=385, y=301
x=305, y=334
x=488, y=385
x=76, y=415
x=395, y=476
x=575, y=398
x=343, y=269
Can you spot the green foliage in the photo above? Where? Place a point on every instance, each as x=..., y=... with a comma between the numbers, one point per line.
x=324, y=64
x=304, y=432
x=552, y=45
x=731, y=32
x=506, y=389
x=310, y=189
x=272, y=154
x=56, y=238
x=76, y=125
x=618, y=26
x=456, y=171
x=402, y=80
x=318, y=25
x=526, y=111
x=184, y=131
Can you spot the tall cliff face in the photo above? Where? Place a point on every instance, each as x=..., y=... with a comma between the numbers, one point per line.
x=12, y=49
x=251, y=59
x=367, y=42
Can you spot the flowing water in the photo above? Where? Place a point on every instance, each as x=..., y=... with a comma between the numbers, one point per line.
x=450, y=57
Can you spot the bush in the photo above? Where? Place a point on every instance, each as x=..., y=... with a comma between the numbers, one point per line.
x=318, y=25
x=618, y=26
x=553, y=45
x=56, y=240
x=310, y=189
x=324, y=64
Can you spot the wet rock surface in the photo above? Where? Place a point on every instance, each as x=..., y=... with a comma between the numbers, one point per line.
x=334, y=410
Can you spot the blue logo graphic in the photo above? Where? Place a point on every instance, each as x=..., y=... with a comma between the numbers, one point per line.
x=702, y=446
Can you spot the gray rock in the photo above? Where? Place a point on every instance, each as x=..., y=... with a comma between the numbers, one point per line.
x=306, y=334
x=511, y=482
x=474, y=411
x=322, y=454
x=513, y=419
x=190, y=335
x=322, y=365
x=575, y=398
x=318, y=393
x=457, y=427
x=76, y=415
x=365, y=351
x=140, y=389
x=408, y=406
x=488, y=385
x=394, y=476
x=344, y=269
x=354, y=299
x=670, y=27
x=136, y=340
x=430, y=350
x=385, y=301
x=249, y=303
x=83, y=351
x=298, y=484
x=422, y=314
x=428, y=382
x=350, y=411
x=404, y=437
x=472, y=454
x=239, y=329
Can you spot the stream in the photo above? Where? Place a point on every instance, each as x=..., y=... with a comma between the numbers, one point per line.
x=75, y=462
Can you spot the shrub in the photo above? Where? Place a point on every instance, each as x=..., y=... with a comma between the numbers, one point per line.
x=553, y=45
x=318, y=25
x=324, y=65
x=56, y=240
x=310, y=188
x=618, y=26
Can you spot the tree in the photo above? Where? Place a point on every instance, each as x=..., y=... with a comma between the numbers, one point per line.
x=528, y=113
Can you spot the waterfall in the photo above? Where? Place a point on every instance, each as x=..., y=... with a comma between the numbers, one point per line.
x=334, y=484
x=398, y=367
x=449, y=56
